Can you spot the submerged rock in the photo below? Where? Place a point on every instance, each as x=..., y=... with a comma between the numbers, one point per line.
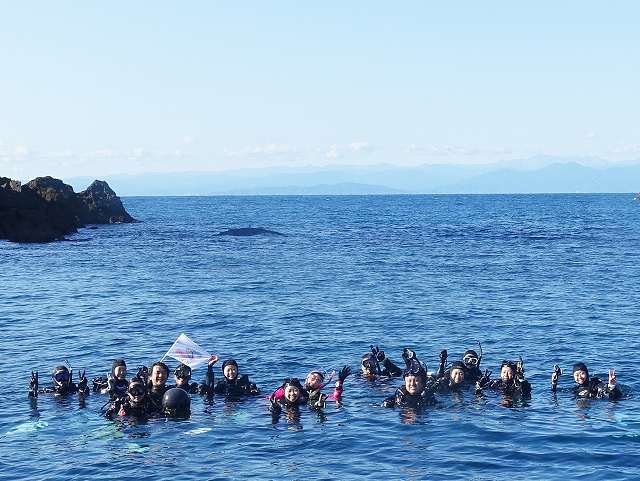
x=46, y=209
x=248, y=231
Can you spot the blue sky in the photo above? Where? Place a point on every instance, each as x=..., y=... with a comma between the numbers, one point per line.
x=96, y=88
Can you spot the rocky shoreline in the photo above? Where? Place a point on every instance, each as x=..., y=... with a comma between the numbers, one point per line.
x=46, y=209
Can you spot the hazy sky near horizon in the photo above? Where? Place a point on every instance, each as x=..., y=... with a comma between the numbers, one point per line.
x=96, y=88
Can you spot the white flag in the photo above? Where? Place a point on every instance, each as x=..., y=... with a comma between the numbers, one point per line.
x=187, y=352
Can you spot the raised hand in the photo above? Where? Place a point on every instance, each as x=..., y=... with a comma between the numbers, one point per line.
x=33, y=384
x=213, y=359
x=520, y=368
x=612, y=377
x=379, y=355
x=344, y=372
x=82, y=381
x=485, y=378
x=443, y=356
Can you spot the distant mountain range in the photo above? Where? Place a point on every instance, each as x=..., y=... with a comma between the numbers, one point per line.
x=532, y=175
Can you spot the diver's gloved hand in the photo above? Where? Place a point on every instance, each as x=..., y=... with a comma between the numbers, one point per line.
x=484, y=380
x=82, y=381
x=380, y=355
x=143, y=373
x=33, y=384
x=443, y=356
x=321, y=402
x=555, y=376
x=520, y=369
x=408, y=354
x=274, y=406
x=343, y=374
x=111, y=383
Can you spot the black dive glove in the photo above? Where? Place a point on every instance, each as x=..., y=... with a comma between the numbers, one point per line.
x=82, y=382
x=484, y=380
x=443, y=356
x=407, y=355
x=555, y=377
x=33, y=384
x=344, y=373
x=520, y=370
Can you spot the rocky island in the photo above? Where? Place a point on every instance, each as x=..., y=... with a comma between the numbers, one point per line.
x=46, y=209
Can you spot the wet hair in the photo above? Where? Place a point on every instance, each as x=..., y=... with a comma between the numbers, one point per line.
x=116, y=363
x=512, y=365
x=581, y=366
x=162, y=365
x=229, y=362
x=470, y=352
x=457, y=365
x=182, y=370
x=294, y=381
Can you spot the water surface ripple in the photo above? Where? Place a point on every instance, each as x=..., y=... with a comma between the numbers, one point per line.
x=553, y=278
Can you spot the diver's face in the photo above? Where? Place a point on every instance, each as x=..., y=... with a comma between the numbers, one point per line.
x=457, y=376
x=413, y=384
x=367, y=371
x=470, y=361
x=314, y=380
x=120, y=372
x=136, y=393
x=158, y=376
x=506, y=374
x=230, y=371
x=181, y=381
x=580, y=377
x=291, y=393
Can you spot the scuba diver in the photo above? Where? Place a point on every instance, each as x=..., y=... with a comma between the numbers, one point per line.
x=470, y=360
x=314, y=383
x=453, y=380
x=233, y=386
x=290, y=395
x=176, y=403
x=116, y=384
x=589, y=387
x=157, y=382
x=375, y=363
x=62, y=383
x=182, y=376
x=511, y=382
x=416, y=392
x=136, y=403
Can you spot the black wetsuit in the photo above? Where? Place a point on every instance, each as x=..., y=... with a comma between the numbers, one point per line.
x=445, y=386
x=388, y=368
x=596, y=389
x=71, y=388
x=402, y=398
x=236, y=388
x=124, y=407
x=155, y=394
x=114, y=387
x=191, y=388
x=520, y=387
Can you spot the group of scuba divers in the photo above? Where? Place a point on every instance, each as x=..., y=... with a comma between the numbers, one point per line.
x=148, y=395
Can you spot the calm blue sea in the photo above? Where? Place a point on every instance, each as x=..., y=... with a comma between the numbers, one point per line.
x=551, y=278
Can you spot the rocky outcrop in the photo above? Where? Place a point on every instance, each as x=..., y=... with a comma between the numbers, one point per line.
x=47, y=209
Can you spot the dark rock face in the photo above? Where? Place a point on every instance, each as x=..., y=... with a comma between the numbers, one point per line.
x=46, y=209
x=248, y=231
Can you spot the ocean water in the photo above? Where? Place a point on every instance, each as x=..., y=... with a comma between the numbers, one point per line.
x=551, y=278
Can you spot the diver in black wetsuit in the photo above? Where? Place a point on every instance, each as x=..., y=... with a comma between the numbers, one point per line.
x=157, y=384
x=453, y=380
x=135, y=404
x=511, y=382
x=233, y=386
x=375, y=364
x=182, y=376
x=470, y=361
x=176, y=403
x=589, y=387
x=116, y=384
x=62, y=383
x=416, y=391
